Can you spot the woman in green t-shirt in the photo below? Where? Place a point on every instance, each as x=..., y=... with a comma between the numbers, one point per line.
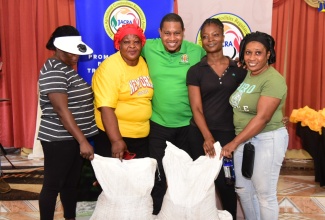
x=257, y=104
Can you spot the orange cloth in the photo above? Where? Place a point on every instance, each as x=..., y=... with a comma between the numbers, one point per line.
x=315, y=120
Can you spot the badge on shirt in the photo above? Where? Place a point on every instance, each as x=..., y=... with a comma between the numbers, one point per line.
x=184, y=59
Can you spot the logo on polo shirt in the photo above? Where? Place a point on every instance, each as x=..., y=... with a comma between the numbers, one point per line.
x=120, y=13
x=235, y=28
x=184, y=59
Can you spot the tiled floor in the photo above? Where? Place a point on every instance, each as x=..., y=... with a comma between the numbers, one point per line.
x=299, y=197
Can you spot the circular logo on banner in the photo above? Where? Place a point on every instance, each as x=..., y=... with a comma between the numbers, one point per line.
x=235, y=28
x=120, y=13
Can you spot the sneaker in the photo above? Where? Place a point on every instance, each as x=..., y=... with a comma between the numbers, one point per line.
x=4, y=186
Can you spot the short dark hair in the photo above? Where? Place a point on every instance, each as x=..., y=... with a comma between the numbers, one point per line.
x=214, y=21
x=61, y=31
x=263, y=38
x=171, y=17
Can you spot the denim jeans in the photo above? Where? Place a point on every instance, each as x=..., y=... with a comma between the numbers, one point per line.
x=258, y=195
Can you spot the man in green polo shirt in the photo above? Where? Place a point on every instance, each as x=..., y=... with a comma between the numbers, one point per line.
x=168, y=58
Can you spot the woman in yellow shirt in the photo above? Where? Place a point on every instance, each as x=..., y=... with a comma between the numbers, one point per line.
x=123, y=92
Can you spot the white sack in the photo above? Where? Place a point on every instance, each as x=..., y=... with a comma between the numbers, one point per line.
x=126, y=188
x=191, y=192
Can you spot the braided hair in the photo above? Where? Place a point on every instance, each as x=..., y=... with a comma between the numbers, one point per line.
x=214, y=21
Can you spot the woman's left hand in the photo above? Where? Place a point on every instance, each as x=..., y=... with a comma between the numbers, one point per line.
x=227, y=150
x=118, y=149
x=86, y=150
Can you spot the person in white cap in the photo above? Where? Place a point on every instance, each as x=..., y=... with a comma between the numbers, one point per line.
x=67, y=121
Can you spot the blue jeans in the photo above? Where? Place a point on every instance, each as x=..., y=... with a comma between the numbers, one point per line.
x=258, y=195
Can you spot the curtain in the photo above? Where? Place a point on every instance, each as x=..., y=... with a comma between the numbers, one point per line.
x=175, y=6
x=25, y=28
x=299, y=33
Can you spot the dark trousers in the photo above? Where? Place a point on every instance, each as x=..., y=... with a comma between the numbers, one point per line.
x=226, y=192
x=103, y=146
x=62, y=168
x=157, y=144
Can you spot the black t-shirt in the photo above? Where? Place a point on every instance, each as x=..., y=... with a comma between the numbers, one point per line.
x=215, y=92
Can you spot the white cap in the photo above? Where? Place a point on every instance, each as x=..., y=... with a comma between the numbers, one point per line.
x=72, y=44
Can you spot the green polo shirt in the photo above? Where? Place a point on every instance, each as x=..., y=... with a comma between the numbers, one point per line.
x=170, y=103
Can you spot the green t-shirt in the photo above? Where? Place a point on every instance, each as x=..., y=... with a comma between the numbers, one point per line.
x=244, y=100
x=170, y=103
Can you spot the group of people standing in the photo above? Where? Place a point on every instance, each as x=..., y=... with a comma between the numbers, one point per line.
x=158, y=90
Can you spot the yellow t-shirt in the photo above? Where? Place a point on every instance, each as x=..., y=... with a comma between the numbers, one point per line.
x=129, y=90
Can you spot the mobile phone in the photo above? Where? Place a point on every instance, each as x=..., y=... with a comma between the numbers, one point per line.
x=128, y=156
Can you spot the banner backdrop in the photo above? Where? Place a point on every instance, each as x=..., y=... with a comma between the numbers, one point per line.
x=99, y=20
x=238, y=17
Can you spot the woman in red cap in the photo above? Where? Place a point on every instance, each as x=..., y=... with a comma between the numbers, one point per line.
x=123, y=92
